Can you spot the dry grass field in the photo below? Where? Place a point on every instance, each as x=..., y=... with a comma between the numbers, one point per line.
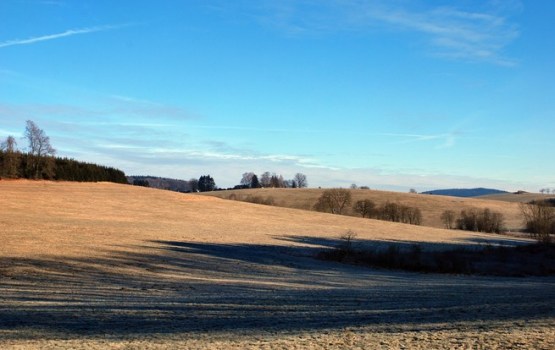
x=430, y=205
x=112, y=266
x=517, y=198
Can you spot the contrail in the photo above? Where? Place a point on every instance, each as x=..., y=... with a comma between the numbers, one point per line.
x=69, y=32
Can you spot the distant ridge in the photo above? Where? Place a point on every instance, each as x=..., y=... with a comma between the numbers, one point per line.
x=465, y=192
x=162, y=183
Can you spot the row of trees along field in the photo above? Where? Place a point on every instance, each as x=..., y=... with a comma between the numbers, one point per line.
x=271, y=180
x=338, y=200
x=40, y=162
x=539, y=216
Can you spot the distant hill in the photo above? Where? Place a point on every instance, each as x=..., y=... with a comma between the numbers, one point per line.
x=162, y=183
x=465, y=192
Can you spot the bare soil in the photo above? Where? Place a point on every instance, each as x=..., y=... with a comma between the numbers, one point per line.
x=105, y=265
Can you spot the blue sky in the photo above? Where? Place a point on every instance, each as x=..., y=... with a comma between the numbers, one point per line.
x=390, y=94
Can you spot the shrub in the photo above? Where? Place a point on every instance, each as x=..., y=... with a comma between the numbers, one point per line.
x=347, y=244
x=534, y=259
x=260, y=200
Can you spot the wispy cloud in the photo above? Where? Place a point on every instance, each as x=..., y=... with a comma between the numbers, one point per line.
x=448, y=138
x=455, y=31
x=67, y=33
x=141, y=113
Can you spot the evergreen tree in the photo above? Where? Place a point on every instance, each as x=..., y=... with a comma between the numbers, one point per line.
x=206, y=183
x=254, y=182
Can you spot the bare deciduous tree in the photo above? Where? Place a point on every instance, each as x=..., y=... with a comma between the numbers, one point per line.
x=246, y=180
x=40, y=151
x=364, y=207
x=480, y=220
x=448, y=218
x=333, y=200
x=397, y=212
x=39, y=143
x=277, y=181
x=266, y=179
x=412, y=215
x=10, y=145
x=539, y=219
x=300, y=180
x=11, y=159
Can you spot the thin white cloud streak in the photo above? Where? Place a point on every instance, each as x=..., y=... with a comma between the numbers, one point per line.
x=449, y=137
x=128, y=109
x=458, y=34
x=450, y=31
x=67, y=33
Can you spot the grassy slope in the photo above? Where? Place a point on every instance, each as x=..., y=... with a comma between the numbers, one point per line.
x=431, y=206
x=102, y=265
x=516, y=198
x=79, y=218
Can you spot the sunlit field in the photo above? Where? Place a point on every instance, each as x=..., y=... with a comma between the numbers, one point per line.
x=86, y=265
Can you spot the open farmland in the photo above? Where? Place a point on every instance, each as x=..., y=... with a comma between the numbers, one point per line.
x=96, y=265
x=517, y=198
x=430, y=205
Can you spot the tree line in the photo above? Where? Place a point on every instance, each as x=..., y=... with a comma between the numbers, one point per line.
x=40, y=162
x=338, y=200
x=271, y=180
x=474, y=219
x=206, y=183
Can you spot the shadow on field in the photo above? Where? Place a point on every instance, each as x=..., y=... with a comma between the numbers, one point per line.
x=171, y=287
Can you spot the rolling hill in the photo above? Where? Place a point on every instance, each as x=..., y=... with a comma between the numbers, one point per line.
x=100, y=265
x=465, y=192
x=431, y=206
x=524, y=197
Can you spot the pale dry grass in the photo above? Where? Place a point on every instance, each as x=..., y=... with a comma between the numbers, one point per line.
x=103, y=265
x=50, y=218
x=431, y=206
x=517, y=198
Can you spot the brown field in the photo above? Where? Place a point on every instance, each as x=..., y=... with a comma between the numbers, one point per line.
x=431, y=206
x=517, y=198
x=105, y=265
